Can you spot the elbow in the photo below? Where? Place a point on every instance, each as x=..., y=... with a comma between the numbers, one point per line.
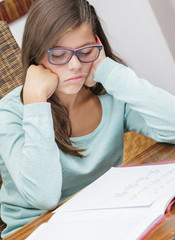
x=43, y=200
x=164, y=137
x=44, y=196
x=47, y=203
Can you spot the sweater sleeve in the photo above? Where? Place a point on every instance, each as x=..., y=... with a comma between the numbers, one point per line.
x=148, y=109
x=30, y=153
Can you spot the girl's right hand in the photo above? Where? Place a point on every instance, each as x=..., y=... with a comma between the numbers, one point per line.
x=40, y=84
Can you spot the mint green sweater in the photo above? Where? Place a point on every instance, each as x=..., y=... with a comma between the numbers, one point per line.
x=37, y=175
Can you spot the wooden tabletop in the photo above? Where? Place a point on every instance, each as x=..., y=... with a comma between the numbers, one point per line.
x=165, y=231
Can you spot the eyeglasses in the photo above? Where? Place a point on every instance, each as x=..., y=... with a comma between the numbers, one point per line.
x=60, y=56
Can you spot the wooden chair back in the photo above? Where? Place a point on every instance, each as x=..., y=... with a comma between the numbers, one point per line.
x=10, y=68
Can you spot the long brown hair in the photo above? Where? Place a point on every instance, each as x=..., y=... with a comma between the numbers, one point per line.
x=47, y=21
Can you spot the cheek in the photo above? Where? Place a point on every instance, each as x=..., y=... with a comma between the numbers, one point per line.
x=87, y=67
x=44, y=61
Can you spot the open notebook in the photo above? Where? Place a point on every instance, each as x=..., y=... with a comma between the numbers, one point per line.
x=125, y=203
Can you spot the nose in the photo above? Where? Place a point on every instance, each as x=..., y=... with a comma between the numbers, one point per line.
x=74, y=63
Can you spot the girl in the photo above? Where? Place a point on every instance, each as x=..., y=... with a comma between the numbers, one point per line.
x=64, y=127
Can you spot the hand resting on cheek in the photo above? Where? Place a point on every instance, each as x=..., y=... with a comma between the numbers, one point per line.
x=40, y=84
x=90, y=79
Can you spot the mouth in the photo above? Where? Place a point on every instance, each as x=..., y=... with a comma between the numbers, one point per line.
x=76, y=79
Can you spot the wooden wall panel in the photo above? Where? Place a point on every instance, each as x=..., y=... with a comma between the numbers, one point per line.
x=11, y=10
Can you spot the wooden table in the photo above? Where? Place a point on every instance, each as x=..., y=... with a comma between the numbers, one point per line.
x=165, y=231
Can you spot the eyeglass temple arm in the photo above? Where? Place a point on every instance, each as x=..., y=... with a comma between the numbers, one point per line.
x=98, y=40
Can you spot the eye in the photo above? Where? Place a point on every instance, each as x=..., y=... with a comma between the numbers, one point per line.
x=58, y=55
x=85, y=52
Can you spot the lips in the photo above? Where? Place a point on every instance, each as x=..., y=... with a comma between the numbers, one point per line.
x=75, y=79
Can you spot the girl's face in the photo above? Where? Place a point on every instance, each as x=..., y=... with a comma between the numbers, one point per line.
x=72, y=75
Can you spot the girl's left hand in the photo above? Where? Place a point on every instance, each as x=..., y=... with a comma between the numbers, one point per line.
x=90, y=78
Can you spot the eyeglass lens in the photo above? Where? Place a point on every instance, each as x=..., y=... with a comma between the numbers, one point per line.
x=61, y=56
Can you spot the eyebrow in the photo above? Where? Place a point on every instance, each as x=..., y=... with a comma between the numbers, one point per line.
x=86, y=44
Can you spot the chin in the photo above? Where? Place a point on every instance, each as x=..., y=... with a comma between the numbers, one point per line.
x=72, y=90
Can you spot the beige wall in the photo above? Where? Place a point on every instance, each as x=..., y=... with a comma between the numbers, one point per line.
x=165, y=14
x=134, y=32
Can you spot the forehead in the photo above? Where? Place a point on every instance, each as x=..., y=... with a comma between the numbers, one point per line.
x=78, y=37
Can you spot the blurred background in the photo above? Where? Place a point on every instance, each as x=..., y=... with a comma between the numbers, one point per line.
x=141, y=32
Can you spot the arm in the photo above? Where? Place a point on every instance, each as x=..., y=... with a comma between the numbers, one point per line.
x=149, y=110
x=30, y=153
x=28, y=145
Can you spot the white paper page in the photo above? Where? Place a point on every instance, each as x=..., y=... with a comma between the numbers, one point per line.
x=38, y=232
x=125, y=187
x=156, y=211
x=124, y=223
x=104, y=221
x=97, y=224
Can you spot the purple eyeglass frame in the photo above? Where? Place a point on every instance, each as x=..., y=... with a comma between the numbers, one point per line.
x=76, y=52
